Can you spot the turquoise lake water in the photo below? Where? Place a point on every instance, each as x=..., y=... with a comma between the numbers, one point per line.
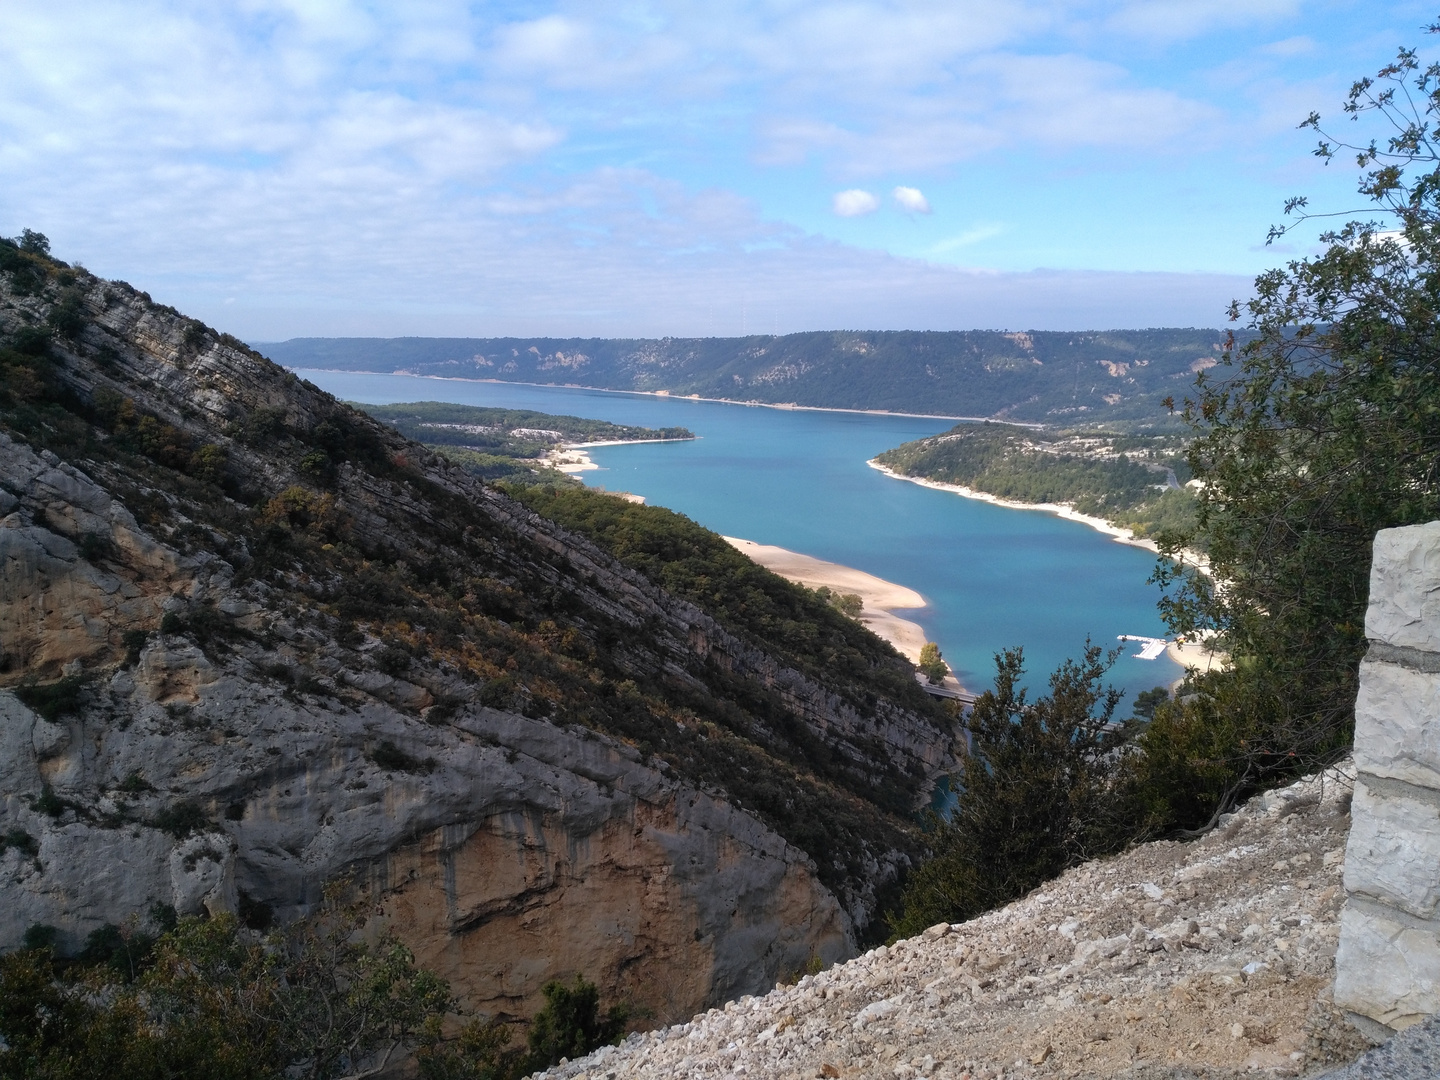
x=992, y=577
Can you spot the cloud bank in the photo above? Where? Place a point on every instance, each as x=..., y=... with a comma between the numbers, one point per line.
x=283, y=167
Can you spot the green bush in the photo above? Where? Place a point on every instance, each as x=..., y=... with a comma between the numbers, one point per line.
x=314, y=1001
x=53, y=700
x=932, y=665
x=391, y=758
x=19, y=840
x=182, y=819
x=571, y=1025
x=1037, y=794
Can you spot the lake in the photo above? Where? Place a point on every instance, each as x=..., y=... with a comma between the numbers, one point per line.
x=992, y=577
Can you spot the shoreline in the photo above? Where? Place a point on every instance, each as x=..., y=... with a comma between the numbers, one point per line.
x=582, y=461
x=879, y=599
x=1194, y=654
x=1119, y=533
x=1186, y=654
x=1061, y=510
x=784, y=406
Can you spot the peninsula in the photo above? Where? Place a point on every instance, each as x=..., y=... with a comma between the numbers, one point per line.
x=519, y=445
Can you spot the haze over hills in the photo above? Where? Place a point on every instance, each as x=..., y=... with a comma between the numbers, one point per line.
x=1039, y=376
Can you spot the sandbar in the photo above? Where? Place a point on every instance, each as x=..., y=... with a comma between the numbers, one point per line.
x=878, y=598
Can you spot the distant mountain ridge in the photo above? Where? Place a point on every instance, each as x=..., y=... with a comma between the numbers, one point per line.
x=1039, y=376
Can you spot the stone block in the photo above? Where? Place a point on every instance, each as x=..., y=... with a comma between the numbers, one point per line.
x=1394, y=851
x=1405, y=588
x=1385, y=968
x=1397, y=723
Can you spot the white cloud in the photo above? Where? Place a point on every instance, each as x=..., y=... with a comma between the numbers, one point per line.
x=1300, y=45
x=854, y=202
x=911, y=199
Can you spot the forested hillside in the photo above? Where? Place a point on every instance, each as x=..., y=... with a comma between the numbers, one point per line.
x=1129, y=480
x=1047, y=377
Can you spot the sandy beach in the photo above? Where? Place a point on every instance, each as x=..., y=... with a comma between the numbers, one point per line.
x=878, y=598
x=1196, y=654
x=1063, y=510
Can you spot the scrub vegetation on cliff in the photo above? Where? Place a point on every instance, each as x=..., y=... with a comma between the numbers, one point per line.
x=426, y=583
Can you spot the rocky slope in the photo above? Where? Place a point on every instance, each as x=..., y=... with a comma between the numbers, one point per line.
x=1212, y=959
x=252, y=641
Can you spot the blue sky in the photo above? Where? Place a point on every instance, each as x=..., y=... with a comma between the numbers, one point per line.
x=327, y=167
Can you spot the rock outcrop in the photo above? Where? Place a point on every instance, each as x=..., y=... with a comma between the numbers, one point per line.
x=1389, y=963
x=255, y=642
x=1171, y=962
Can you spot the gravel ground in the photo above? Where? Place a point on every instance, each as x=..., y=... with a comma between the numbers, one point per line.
x=1208, y=960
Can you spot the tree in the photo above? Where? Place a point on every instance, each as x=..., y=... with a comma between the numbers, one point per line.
x=1322, y=428
x=932, y=665
x=35, y=243
x=570, y=1024
x=1037, y=793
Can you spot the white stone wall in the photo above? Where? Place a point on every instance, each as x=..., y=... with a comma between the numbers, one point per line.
x=1388, y=964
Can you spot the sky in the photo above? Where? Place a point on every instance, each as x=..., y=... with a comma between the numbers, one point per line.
x=285, y=168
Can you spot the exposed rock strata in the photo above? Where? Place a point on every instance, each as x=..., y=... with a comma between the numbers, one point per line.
x=253, y=766
x=1213, y=959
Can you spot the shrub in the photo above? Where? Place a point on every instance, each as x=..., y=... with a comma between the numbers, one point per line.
x=50, y=804
x=1037, y=794
x=255, y=914
x=391, y=758
x=314, y=1000
x=95, y=546
x=182, y=819
x=208, y=463
x=68, y=317
x=40, y=936
x=570, y=1024
x=53, y=700
x=134, y=642
x=932, y=665
x=19, y=840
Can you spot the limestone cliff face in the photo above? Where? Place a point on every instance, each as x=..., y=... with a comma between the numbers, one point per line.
x=528, y=852
x=232, y=741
